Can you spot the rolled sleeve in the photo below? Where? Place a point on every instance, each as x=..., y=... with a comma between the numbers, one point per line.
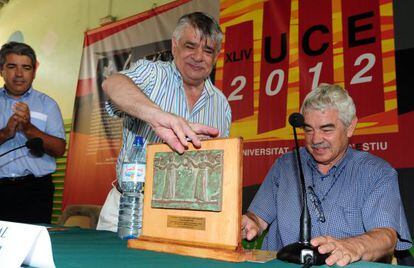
x=264, y=202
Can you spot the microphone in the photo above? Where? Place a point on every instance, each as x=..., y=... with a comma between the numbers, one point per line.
x=301, y=252
x=296, y=120
x=34, y=145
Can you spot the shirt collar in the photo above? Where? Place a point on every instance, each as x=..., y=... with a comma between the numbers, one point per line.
x=27, y=93
x=176, y=71
x=335, y=169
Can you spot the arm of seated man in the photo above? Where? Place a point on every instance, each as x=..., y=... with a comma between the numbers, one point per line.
x=252, y=226
x=371, y=246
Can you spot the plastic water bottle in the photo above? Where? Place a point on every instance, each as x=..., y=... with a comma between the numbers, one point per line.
x=131, y=182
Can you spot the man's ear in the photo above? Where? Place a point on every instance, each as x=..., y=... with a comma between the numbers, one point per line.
x=36, y=66
x=351, y=128
x=35, y=69
x=173, y=46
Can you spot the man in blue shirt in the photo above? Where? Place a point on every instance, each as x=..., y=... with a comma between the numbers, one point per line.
x=26, y=187
x=353, y=196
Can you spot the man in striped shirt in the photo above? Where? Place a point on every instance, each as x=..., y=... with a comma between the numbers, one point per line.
x=353, y=196
x=171, y=102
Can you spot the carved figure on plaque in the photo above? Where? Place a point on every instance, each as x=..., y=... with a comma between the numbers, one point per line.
x=192, y=180
x=170, y=168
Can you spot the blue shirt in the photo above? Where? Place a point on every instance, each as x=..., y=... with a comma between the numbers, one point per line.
x=358, y=194
x=45, y=115
x=163, y=84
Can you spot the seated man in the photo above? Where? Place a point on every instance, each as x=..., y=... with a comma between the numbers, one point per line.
x=353, y=196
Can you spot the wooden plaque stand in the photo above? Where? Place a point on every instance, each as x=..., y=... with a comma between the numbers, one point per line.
x=198, y=233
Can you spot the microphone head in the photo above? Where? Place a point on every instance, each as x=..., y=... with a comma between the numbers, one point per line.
x=296, y=120
x=35, y=147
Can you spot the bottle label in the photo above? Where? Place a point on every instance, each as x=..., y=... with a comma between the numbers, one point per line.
x=133, y=173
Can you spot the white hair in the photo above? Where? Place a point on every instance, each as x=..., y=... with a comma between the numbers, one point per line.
x=327, y=96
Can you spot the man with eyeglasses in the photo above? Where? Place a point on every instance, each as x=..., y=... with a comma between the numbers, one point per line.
x=354, y=198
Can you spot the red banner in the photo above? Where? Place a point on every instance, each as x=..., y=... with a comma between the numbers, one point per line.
x=238, y=69
x=274, y=66
x=316, y=45
x=363, y=56
x=299, y=44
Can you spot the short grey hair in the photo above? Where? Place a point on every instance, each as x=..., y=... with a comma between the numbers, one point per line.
x=327, y=96
x=207, y=25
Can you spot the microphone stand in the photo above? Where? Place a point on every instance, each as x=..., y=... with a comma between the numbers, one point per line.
x=35, y=146
x=9, y=151
x=301, y=252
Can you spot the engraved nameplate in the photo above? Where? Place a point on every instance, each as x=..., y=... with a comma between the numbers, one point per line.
x=192, y=223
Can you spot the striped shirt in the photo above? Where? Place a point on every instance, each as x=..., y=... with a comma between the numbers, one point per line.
x=162, y=83
x=358, y=194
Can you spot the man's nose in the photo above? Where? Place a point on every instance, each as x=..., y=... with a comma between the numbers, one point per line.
x=317, y=137
x=19, y=71
x=198, y=54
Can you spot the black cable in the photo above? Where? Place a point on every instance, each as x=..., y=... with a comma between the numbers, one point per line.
x=9, y=151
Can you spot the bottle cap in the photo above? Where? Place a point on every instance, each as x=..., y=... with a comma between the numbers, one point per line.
x=139, y=141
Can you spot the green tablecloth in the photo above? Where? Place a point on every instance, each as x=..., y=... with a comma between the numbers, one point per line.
x=75, y=247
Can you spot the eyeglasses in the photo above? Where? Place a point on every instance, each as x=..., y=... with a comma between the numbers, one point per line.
x=317, y=204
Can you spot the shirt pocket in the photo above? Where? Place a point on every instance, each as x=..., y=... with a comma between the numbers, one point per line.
x=38, y=120
x=349, y=221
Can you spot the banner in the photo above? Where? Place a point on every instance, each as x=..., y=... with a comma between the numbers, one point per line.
x=274, y=53
x=298, y=44
x=96, y=138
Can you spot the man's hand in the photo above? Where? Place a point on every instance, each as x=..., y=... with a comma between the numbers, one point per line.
x=376, y=244
x=176, y=131
x=249, y=228
x=252, y=226
x=22, y=114
x=9, y=130
x=53, y=146
x=342, y=251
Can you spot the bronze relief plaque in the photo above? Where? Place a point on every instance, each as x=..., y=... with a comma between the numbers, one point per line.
x=193, y=180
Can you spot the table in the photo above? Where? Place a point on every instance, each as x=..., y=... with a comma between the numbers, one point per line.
x=76, y=247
